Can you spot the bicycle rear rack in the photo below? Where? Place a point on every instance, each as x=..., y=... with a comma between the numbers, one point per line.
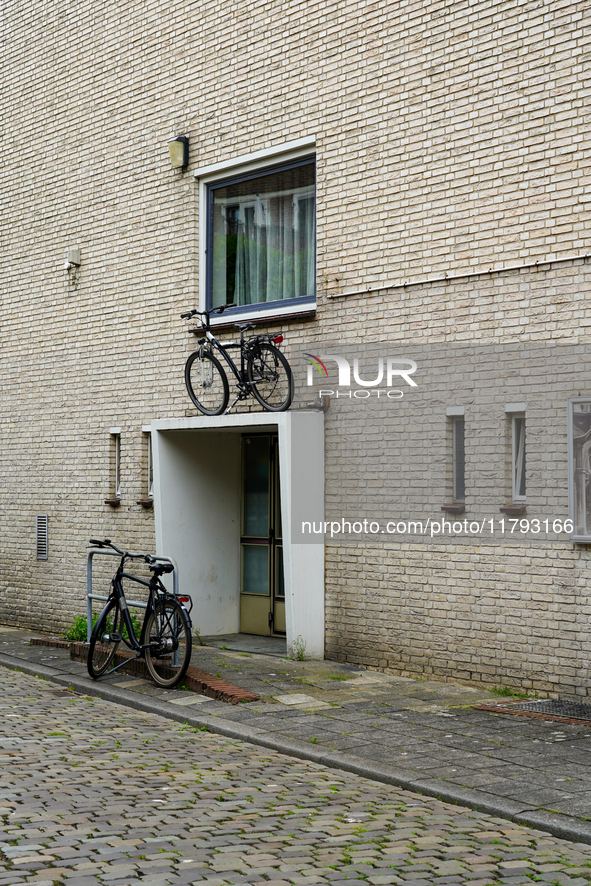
x=90, y=596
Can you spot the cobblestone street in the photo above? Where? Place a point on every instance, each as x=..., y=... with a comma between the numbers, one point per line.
x=94, y=793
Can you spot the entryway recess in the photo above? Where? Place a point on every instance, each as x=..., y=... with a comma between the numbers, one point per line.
x=230, y=495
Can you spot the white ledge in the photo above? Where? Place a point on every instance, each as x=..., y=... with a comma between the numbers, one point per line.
x=308, y=141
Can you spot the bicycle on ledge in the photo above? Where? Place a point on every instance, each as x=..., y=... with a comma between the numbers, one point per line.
x=165, y=637
x=263, y=371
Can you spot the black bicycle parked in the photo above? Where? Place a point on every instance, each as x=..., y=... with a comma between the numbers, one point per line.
x=263, y=372
x=165, y=638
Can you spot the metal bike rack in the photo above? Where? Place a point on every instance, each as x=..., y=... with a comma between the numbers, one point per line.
x=90, y=596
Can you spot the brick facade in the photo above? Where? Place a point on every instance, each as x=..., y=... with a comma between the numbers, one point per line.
x=450, y=138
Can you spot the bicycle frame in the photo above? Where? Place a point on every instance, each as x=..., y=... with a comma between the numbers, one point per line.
x=135, y=604
x=241, y=376
x=156, y=590
x=164, y=640
x=119, y=594
x=264, y=371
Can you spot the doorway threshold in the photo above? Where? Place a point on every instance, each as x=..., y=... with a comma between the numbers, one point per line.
x=274, y=646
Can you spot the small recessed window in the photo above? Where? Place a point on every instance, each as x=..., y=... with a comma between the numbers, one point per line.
x=149, y=484
x=261, y=238
x=518, y=457
x=117, y=468
x=115, y=465
x=459, y=459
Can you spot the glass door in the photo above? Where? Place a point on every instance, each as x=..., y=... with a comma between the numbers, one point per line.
x=262, y=594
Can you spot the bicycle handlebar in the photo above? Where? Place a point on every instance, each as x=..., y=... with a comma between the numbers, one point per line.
x=107, y=543
x=206, y=314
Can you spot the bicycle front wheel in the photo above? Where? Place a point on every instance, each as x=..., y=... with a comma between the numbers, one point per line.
x=270, y=377
x=105, y=639
x=168, y=631
x=207, y=383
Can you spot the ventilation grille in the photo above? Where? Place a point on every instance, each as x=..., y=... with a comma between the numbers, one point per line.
x=42, y=536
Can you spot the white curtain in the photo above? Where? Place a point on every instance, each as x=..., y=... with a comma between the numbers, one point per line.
x=275, y=249
x=581, y=466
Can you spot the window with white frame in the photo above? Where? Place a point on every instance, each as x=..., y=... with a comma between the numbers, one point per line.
x=579, y=466
x=261, y=238
x=518, y=457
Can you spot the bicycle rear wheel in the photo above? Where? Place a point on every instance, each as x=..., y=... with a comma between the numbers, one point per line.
x=270, y=377
x=168, y=631
x=206, y=382
x=106, y=637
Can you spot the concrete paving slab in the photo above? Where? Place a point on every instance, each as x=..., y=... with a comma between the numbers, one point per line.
x=134, y=683
x=198, y=699
x=301, y=700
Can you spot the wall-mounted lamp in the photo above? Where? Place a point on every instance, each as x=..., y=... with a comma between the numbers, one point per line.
x=72, y=259
x=178, y=148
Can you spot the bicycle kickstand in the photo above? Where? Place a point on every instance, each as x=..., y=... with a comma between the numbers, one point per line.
x=232, y=405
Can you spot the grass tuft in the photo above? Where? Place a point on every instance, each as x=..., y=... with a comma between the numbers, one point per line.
x=507, y=692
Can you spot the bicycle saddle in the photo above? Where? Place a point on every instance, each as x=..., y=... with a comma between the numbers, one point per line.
x=161, y=568
x=243, y=326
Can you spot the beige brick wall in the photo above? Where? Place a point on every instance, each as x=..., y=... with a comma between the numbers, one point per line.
x=450, y=138
x=483, y=614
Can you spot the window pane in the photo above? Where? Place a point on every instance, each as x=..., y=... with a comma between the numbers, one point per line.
x=264, y=237
x=459, y=460
x=278, y=524
x=150, y=471
x=581, y=462
x=519, y=457
x=279, y=578
x=116, y=465
x=255, y=569
x=255, y=508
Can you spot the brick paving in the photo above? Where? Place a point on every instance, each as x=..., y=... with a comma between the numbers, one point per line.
x=95, y=793
x=424, y=736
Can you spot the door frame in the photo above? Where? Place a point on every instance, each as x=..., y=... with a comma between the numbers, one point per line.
x=251, y=604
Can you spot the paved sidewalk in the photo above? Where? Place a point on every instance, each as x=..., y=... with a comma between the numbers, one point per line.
x=423, y=736
x=94, y=794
